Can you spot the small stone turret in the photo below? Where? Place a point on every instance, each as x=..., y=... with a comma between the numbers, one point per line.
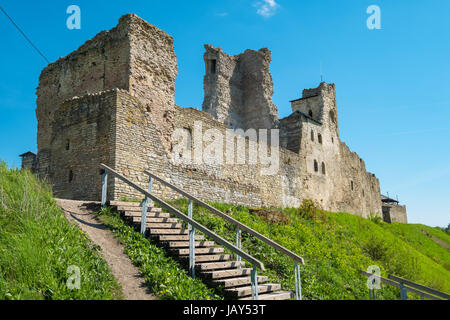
x=319, y=104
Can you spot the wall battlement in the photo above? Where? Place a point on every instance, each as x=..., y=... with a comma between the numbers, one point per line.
x=112, y=101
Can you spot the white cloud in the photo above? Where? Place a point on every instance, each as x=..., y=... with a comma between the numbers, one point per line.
x=222, y=14
x=266, y=8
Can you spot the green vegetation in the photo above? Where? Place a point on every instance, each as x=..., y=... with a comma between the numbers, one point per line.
x=165, y=276
x=37, y=245
x=335, y=247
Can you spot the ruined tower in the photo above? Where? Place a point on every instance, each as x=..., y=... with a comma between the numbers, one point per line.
x=78, y=122
x=238, y=89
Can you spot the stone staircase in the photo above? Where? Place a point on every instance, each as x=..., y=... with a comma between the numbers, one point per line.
x=212, y=264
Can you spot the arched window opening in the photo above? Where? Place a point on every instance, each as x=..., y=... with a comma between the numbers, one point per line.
x=310, y=113
x=351, y=184
x=323, y=168
x=68, y=144
x=70, y=176
x=316, y=166
x=312, y=136
x=320, y=138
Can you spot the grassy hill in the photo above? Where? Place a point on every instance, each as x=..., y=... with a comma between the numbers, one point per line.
x=37, y=245
x=336, y=246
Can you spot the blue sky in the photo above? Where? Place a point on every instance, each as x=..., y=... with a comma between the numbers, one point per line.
x=392, y=84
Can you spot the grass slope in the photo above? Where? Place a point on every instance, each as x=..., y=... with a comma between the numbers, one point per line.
x=37, y=245
x=335, y=247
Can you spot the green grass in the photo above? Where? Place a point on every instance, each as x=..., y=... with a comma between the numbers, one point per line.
x=37, y=245
x=165, y=277
x=335, y=247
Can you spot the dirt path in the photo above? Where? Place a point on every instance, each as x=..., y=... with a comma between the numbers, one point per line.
x=132, y=282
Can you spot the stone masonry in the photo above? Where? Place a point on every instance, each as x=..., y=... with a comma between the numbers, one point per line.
x=112, y=101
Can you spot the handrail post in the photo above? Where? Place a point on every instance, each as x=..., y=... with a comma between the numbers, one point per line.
x=254, y=279
x=238, y=243
x=150, y=188
x=145, y=203
x=191, y=242
x=298, y=282
x=144, y=216
x=403, y=293
x=104, y=187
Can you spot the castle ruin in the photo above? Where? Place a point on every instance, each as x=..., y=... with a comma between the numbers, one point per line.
x=112, y=101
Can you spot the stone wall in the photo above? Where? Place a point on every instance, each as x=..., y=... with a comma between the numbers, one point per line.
x=112, y=101
x=134, y=56
x=138, y=148
x=394, y=213
x=239, y=89
x=83, y=134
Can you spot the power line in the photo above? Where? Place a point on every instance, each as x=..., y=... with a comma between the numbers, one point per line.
x=17, y=27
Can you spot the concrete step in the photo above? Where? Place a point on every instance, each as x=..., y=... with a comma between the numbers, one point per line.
x=131, y=214
x=185, y=244
x=137, y=209
x=155, y=220
x=241, y=292
x=279, y=295
x=125, y=203
x=199, y=251
x=210, y=257
x=167, y=231
x=221, y=274
x=164, y=225
x=236, y=282
x=164, y=238
x=219, y=265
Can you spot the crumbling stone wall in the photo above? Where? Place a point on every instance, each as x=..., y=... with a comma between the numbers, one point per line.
x=134, y=56
x=239, y=89
x=138, y=148
x=112, y=101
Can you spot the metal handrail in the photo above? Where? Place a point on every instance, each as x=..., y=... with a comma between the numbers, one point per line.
x=182, y=216
x=241, y=227
x=406, y=285
x=419, y=287
x=238, y=224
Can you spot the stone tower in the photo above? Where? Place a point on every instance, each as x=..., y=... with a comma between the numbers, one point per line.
x=239, y=89
x=319, y=104
x=78, y=121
